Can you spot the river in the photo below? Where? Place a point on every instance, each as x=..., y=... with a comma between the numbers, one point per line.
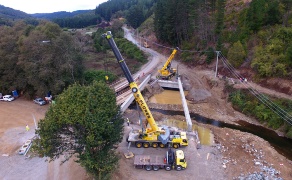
x=281, y=144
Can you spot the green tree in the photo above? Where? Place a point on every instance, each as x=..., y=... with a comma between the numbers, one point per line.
x=9, y=52
x=236, y=54
x=135, y=16
x=85, y=122
x=256, y=14
x=50, y=58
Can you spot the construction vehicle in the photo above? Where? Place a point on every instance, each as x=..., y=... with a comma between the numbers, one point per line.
x=167, y=72
x=146, y=44
x=154, y=136
x=172, y=160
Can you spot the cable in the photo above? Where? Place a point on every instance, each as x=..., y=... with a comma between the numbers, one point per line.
x=270, y=104
x=266, y=101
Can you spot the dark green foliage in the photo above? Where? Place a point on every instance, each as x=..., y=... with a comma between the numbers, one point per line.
x=130, y=50
x=251, y=105
x=210, y=55
x=78, y=21
x=236, y=54
x=137, y=11
x=220, y=16
x=38, y=59
x=98, y=75
x=85, y=122
x=272, y=60
x=262, y=13
x=289, y=133
x=135, y=16
x=172, y=21
x=238, y=100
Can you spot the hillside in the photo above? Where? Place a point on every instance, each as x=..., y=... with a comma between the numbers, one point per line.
x=61, y=14
x=9, y=13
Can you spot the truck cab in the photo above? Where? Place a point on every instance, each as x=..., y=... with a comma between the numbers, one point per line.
x=180, y=160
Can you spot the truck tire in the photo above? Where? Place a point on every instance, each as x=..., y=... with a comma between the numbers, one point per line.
x=146, y=145
x=162, y=145
x=178, y=168
x=148, y=167
x=167, y=167
x=154, y=145
x=138, y=144
x=175, y=145
x=155, y=168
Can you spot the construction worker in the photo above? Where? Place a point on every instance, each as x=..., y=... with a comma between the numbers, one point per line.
x=27, y=128
x=128, y=121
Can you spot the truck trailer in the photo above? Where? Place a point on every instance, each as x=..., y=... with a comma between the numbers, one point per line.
x=172, y=160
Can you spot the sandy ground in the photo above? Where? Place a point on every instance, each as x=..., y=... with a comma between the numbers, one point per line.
x=233, y=153
x=14, y=116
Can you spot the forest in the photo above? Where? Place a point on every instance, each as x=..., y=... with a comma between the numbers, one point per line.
x=38, y=56
x=257, y=33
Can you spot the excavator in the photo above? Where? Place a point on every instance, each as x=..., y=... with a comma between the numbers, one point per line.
x=167, y=72
x=153, y=136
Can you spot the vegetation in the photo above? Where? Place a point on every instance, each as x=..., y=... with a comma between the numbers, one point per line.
x=236, y=54
x=85, y=122
x=274, y=58
x=136, y=11
x=78, y=21
x=98, y=75
x=250, y=105
x=171, y=22
x=38, y=59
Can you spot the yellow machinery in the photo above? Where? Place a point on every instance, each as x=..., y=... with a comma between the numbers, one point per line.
x=167, y=72
x=172, y=160
x=146, y=44
x=154, y=136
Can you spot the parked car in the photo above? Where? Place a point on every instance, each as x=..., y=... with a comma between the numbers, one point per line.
x=24, y=148
x=8, y=98
x=39, y=101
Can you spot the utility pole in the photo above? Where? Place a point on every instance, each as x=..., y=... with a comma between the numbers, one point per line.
x=217, y=52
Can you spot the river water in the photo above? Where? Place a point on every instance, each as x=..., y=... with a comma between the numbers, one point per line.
x=281, y=144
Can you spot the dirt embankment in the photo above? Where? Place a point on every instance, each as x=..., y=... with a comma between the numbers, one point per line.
x=234, y=154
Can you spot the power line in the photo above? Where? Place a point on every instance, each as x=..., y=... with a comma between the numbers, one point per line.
x=266, y=101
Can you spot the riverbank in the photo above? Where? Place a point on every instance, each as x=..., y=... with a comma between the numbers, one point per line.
x=243, y=154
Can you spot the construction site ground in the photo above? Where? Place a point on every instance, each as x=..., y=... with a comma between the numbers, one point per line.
x=233, y=154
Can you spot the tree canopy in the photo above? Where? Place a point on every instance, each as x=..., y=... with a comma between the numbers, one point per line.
x=38, y=59
x=85, y=122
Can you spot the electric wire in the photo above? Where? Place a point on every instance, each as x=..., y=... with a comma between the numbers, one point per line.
x=266, y=101
x=274, y=107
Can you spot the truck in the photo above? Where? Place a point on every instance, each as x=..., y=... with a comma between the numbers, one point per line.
x=167, y=72
x=172, y=160
x=146, y=44
x=153, y=136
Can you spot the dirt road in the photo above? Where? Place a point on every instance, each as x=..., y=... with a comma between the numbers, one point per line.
x=234, y=154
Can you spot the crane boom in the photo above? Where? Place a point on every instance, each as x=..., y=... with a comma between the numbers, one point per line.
x=135, y=90
x=154, y=136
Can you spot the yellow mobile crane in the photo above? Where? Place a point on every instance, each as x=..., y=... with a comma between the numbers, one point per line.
x=154, y=136
x=167, y=72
